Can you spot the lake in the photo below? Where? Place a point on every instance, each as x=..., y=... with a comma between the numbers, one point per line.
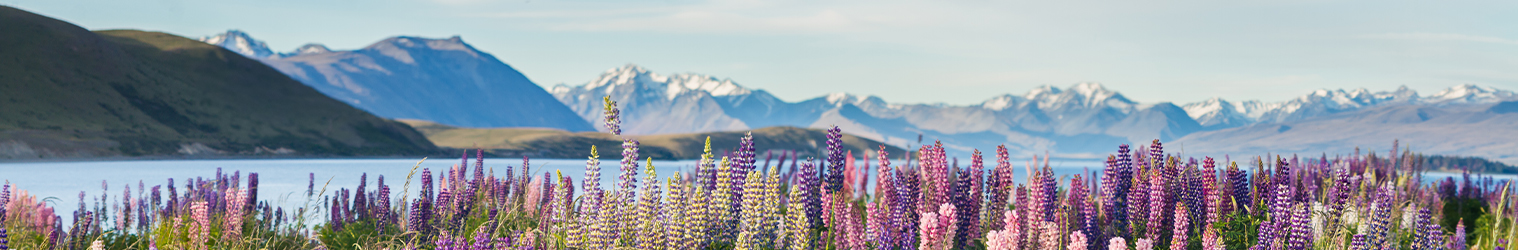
x=282, y=182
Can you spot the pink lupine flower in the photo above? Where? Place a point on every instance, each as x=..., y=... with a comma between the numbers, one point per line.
x=1117, y=243
x=1143, y=244
x=1077, y=241
x=1048, y=236
x=1182, y=223
x=201, y=230
x=232, y=230
x=1210, y=240
x=1001, y=240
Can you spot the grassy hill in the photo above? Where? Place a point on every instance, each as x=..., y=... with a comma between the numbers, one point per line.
x=69, y=92
x=554, y=143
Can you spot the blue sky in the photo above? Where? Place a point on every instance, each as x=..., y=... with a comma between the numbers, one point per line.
x=951, y=51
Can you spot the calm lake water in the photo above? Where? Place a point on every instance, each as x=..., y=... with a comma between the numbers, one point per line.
x=283, y=182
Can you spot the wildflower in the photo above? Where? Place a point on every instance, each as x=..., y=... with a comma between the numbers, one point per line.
x=798, y=226
x=1182, y=224
x=1143, y=244
x=612, y=119
x=835, y=160
x=232, y=231
x=1077, y=241
x=1117, y=243
x=201, y=230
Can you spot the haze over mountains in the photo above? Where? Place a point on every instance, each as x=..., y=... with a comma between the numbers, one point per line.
x=1084, y=120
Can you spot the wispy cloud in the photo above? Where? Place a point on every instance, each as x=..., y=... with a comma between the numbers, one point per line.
x=1442, y=37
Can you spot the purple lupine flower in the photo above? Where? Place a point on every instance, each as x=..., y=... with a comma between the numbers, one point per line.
x=1156, y=153
x=961, y=198
x=1357, y=242
x=997, y=189
x=1241, y=191
x=1301, y=228
x=1138, y=203
x=628, y=179
x=612, y=117
x=592, y=170
x=834, y=179
x=479, y=166
x=903, y=215
x=381, y=210
x=1458, y=242
x=811, y=192
x=742, y=164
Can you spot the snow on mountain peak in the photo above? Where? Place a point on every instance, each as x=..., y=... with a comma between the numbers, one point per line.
x=240, y=42
x=308, y=49
x=1470, y=93
x=1001, y=102
x=673, y=85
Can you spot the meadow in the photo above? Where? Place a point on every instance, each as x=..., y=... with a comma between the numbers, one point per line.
x=1143, y=199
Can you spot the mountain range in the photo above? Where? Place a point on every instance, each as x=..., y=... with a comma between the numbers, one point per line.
x=1084, y=120
x=441, y=80
x=68, y=92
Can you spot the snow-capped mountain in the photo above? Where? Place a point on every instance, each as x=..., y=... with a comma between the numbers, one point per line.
x=1470, y=94
x=1075, y=118
x=240, y=42
x=1082, y=120
x=442, y=80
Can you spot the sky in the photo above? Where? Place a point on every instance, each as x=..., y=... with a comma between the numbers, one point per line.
x=946, y=51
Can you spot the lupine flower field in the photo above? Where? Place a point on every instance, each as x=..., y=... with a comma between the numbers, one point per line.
x=1143, y=198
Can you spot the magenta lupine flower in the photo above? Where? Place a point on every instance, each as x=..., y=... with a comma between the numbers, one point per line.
x=1182, y=224
x=1035, y=201
x=977, y=196
x=876, y=224
x=1138, y=202
x=1210, y=191
x=1157, y=205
